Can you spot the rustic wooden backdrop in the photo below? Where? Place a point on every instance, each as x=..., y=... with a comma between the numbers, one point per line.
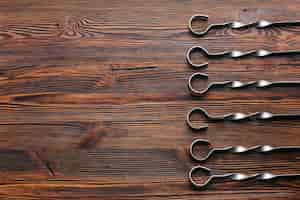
x=93, y=98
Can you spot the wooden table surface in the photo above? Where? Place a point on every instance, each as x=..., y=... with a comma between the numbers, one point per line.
x=94, y=96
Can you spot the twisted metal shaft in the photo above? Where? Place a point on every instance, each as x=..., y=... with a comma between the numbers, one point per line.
x=238, y=177
x=234, y=84
x=235, y=149
x=236, y=117
x=260, y=24
x=235, y=54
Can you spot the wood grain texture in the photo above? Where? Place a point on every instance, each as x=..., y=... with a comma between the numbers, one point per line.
x=93, y=99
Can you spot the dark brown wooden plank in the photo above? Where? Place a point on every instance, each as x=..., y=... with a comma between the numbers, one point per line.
x=93, y=99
